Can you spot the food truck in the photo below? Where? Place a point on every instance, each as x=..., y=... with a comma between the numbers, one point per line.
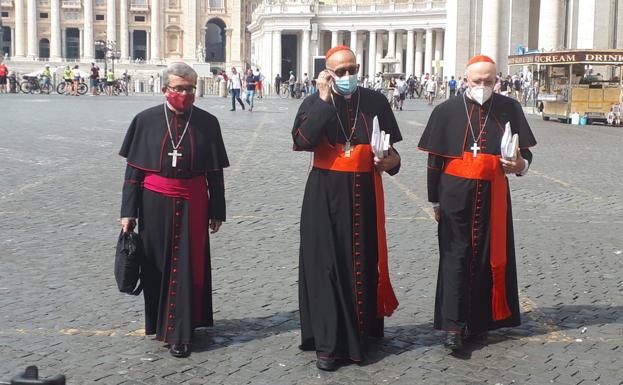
x=583, y=82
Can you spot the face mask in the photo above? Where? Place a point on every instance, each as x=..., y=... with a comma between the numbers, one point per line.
x=480, y=94
x=346, y=84
x=180, y=102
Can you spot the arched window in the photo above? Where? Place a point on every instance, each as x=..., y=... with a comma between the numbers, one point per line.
x=44, y=48
x=215, y=41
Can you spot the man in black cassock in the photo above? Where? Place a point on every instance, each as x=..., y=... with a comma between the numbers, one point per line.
x=467, y=185
x=174, y=187
x=344, y=288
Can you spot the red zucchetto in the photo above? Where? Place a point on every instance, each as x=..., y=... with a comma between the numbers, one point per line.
x=479, y=59
x=335, y=49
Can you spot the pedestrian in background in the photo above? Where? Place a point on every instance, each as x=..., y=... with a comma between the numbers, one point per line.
x=278, y=84
x=235, y=84
x=75, y=74
x=259, y=85
x=110, y=81
x=4, y=73
x=292, y=83
x=68, y=78
x=250, y=83
x=93, y=78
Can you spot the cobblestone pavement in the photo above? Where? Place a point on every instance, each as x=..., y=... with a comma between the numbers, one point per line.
x=59, y=307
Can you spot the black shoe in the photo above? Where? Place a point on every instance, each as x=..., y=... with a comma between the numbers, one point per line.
x=326, y=363
x=233, y=109
x=453, y=341
x=180, y=350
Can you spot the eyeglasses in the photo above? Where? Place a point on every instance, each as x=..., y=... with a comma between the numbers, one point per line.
x=353, y=69
x=180, y=89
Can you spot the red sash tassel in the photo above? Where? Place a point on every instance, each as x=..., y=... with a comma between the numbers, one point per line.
x=362, y=160
x=488, y=167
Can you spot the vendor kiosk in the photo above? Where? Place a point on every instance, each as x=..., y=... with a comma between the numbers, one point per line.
x=587, y=82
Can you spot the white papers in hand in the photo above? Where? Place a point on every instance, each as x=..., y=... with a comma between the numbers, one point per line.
x=509, y=144
x=380, y=141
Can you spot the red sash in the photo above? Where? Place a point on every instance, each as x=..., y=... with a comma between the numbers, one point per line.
x=361, y=160
x=195, y=191
x=488, y=167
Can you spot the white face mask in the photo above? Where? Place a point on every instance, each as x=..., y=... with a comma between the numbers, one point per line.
x=480, y=94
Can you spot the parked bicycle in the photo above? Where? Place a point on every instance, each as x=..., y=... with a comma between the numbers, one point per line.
x=119, y=87
x=34, y=85
x=82, y=88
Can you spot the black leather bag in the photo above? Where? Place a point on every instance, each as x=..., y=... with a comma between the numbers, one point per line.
x=128, y=261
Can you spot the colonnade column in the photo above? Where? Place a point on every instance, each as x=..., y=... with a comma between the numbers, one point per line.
x=419, y=54
x=372, y=53
x=391, y=44
x=399, y=57
x=19, y=28
x=438, y=48
x=87, y=53
x=277, y=53
x=490, y=29
x=334, y=37
x=32, y=47
x=124, y=33
x=155, y=31
x=305, y=53
x=379, y=53
x=111, y=21
x=359, y=56
x=55, y=30
x=549, y=25
x=410, y=52
x=428, y=54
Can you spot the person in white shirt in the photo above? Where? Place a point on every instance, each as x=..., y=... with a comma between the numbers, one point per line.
x=431, y=88
x=235, y=83
x=75, y=74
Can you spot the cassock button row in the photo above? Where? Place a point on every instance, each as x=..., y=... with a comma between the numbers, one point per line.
x=358, y=263
x=357, y=244
x=360, y=293
x=357, y=195
x=174, y=270
x=358, y=273
x=170, y=316
x=357, y=253
x=169, y=328
x=171, y=305
x=357, y=205
x=356, y=224
x=357, y=214
x=173, y=282
x=359, y=302
x=359, y=283
x=356, y=233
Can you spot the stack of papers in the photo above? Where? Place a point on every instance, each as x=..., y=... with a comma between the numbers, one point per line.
x=380, y=140
x=510, y=143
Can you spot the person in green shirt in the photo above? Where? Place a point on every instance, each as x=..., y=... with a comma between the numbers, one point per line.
x=46, y=75
x=69, y=81
x=110, y=80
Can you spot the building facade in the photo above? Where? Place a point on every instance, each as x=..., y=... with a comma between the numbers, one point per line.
x=424, y=36
x=152, y=31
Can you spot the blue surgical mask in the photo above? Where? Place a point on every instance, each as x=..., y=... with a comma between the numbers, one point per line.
x=346, y=84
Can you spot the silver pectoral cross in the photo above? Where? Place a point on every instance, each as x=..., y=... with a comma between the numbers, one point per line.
x=174, y=155
x=347, y=149
x=475, y=148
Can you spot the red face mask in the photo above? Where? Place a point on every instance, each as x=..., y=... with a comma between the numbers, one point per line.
x=181, y=102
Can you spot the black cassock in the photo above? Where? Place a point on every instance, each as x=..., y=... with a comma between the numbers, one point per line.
x=338, y=251
x=464, y=286
x=178, y=295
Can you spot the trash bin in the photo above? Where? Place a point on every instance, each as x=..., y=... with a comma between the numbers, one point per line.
x=583, y=121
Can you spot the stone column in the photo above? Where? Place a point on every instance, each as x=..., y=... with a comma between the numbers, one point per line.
x=55, y=30
x=124, y=33
x=490, y=29
x=33, y=49
x=379, y=52
x=391, y=44
x=372, y=54
x=410, y=52
x=586, y=26
x=111, y=21
x=277, y=54
x=438, y=47
x=148, y=44
x=305, y=38
x=189, y=44
x=155, y=31
x=334, y=38
x=400, y=64
x=353, y=41
x=428, y=55
x=450, y=39
x=88, y=52
x=419, y=54
x=228, y=45
x=19, y=28
x=549, y=24
x=359, y=56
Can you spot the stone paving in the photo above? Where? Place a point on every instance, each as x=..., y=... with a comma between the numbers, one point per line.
x=60, y=183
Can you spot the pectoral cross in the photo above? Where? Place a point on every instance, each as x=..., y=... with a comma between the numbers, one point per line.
x=475, y=148
x=347, y=149
x=174, y=155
